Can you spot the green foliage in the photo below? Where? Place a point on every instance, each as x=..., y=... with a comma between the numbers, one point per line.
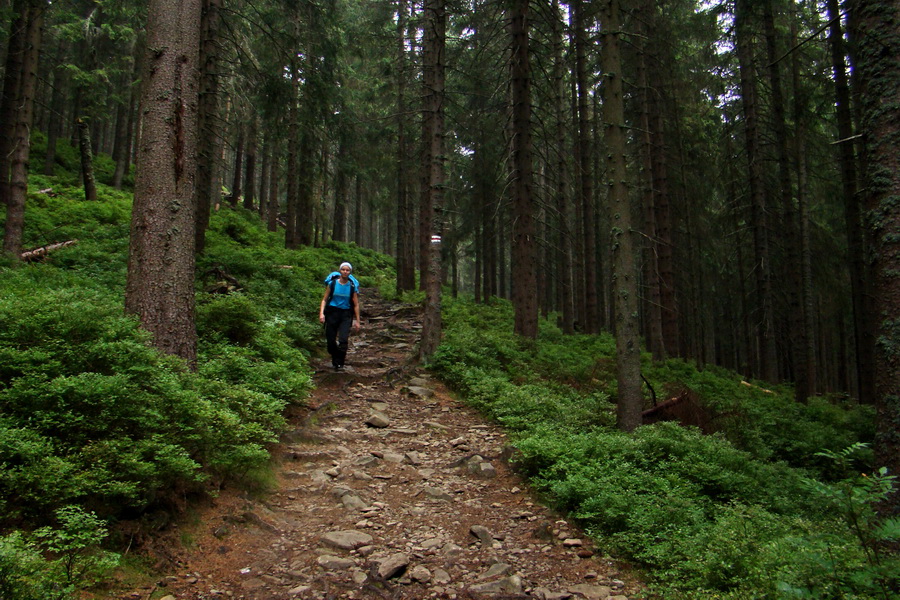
x=730, y=515
x=92, y=415
x=52, y=562
x=75, y=544
x=25, y=574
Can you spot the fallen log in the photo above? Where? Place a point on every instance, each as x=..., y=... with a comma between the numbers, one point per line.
x=42, y=251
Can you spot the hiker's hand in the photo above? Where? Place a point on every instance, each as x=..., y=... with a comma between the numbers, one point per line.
x=321, y=318
x=356, y=325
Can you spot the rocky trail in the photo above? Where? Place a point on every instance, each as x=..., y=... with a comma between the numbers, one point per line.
x=387, y=487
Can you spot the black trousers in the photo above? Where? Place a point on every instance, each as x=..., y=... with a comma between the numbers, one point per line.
x=337, y=333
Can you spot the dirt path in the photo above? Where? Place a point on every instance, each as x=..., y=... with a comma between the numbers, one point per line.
x=388, y=488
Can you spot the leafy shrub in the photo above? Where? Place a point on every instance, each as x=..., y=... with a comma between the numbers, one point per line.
x=713, y=516
x=25, y=574
x=92, y=414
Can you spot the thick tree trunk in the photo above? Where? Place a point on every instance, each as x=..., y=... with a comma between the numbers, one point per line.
x=160, y=283
x=434, y=77
x=206, y=194
x=879, y=46
x=21, y=147
x=15, y=53
x=524, y=231
x=560, y=179
x=624, y=249
x=406, y=221
x=585, y=180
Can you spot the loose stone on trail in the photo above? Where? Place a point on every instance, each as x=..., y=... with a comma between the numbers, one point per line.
x=346, y=540
x=390, y=487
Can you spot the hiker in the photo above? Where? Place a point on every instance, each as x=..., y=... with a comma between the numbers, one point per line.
x=340, y=311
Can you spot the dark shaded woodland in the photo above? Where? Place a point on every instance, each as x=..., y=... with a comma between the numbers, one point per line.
x=702, y=177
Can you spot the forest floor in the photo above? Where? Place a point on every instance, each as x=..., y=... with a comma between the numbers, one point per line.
x=387, y=487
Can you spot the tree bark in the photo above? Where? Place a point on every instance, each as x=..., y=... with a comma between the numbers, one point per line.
x=585, y=180
x=625, y=288
x=765, y=356
x=87, y=161
x=434, y=74
x=560, y=188
x=790, y=280
x=160, y=282
x=206, y=194
x=859, y=277
x=341, y=191
x=879, y=46
x=54, y=123
x=250, y=165
x=15, y=53
x=21, y=147
x=292, y=200
x=237, y=171
x=524, y=232
x=808, y=385
x=406, y=222
x=272, y=209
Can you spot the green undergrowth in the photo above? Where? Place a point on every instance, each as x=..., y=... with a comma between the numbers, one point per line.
x=758, y=507
x=96, y=426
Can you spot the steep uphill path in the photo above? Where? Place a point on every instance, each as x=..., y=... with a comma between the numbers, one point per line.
x=387, y=487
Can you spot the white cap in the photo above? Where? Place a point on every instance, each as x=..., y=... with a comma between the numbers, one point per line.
x=345, y=264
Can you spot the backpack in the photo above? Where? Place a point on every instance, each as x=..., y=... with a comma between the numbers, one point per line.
x=331, y=280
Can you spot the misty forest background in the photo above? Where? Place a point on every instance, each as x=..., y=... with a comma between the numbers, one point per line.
x=634, y=202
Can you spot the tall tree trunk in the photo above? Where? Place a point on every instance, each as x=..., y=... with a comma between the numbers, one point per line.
x=652, y=305
x=859, y=278
x=292, y=200
x=121, y=154
x=12, y=79
x=406, y=222
x=765, y=318
x=434, y=77
x=305, y=178
x=560, y=189
x=341, y=191
x=21, y=147
x=272, y=208
x=250, y=165
x=807, y=386
x=160, y=283
x=54, y=125
x=624, y=250
x=524, y=232
x=879, y=46
x=588, y=271
x=791, y=280
x=237, y=172
x=87, y=161
x=18, y=177
x=264, y=178
x=206, y=194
